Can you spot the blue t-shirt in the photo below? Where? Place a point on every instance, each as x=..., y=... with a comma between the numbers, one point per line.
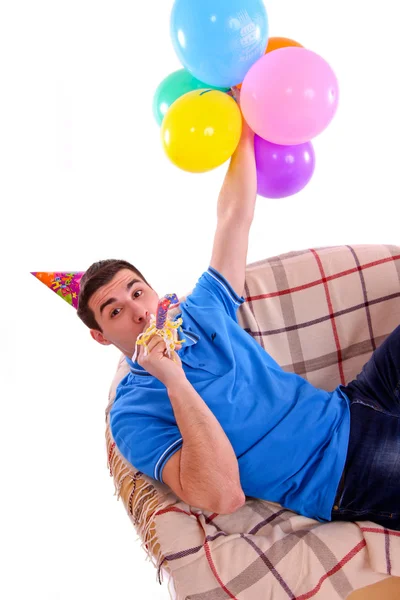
x=289, y=437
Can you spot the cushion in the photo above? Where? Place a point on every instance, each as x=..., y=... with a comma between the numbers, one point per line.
x=320, y=313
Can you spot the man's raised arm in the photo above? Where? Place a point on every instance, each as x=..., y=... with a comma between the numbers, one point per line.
x=235, y=212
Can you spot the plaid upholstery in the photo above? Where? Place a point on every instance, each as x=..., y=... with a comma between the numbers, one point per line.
x=320, y=313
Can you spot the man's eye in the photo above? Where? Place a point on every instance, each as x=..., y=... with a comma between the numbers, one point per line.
x=114, y=313
x=137, y=292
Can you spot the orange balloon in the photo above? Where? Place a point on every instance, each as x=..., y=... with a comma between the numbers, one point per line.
x=274, y=43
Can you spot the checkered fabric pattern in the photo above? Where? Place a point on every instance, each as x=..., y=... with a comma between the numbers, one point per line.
x=320, y=313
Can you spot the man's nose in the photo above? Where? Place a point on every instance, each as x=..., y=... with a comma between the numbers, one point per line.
x=140, y=315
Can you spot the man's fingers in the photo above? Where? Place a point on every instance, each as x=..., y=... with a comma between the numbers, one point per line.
x=236, y=94
x=155, y=340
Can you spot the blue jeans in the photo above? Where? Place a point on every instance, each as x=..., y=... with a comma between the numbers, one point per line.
x=370, y=485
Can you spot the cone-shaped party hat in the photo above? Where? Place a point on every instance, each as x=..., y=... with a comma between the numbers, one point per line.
x=65, y=285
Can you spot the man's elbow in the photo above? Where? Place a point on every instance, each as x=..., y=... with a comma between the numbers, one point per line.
x=230, y=503
x=224, y=501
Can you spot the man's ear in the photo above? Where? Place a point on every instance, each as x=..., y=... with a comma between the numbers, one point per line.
x=99, y=337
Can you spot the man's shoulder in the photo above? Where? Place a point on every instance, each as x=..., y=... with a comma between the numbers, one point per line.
x=202, y=290
x=125, y=388
x=125, y=393
x=213, y=293
x=125, y=381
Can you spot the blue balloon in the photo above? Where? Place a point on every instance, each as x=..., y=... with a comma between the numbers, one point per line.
x=218, y=41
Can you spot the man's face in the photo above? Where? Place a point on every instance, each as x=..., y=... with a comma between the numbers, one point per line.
x=122, y=308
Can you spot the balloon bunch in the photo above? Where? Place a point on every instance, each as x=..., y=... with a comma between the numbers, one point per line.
x=288, y=94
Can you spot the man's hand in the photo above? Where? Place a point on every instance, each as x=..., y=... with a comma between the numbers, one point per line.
x=235, y=93
x=247, y=133
x=246, y=143
x=158, y=363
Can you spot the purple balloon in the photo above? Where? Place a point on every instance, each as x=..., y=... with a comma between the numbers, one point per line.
x=282, y=170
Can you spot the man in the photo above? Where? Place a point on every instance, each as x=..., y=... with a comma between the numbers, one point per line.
x=224, y=421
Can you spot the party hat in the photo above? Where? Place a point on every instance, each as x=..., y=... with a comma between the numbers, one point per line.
x=66, y=285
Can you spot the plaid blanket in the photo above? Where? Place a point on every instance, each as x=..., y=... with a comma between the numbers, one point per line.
x=320, y=313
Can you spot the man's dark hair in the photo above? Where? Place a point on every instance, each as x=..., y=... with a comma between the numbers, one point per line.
x=97, y=275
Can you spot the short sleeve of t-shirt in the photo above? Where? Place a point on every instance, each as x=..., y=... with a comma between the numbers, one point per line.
x=213, y=291
x=144, y=440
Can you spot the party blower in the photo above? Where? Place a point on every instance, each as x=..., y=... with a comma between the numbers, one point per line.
x=288, y=94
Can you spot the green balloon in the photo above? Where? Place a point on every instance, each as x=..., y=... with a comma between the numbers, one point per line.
x=173, y=87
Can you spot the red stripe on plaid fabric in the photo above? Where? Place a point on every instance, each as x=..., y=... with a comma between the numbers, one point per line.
x=389, y=532
x=172, y=509
x=212, y=565
x=333, y=321
x=214, y=570
x=335, y=569
x=306, y=286
x=210, y=518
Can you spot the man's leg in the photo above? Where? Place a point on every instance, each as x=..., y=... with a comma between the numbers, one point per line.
x=378, y=384
x=370, y=488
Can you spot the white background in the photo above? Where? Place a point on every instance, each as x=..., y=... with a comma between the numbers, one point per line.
x=83, y=177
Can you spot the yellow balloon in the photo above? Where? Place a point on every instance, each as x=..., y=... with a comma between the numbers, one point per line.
x=201, y=130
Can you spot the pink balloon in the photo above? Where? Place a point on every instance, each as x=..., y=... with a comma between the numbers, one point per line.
x=289, y=96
